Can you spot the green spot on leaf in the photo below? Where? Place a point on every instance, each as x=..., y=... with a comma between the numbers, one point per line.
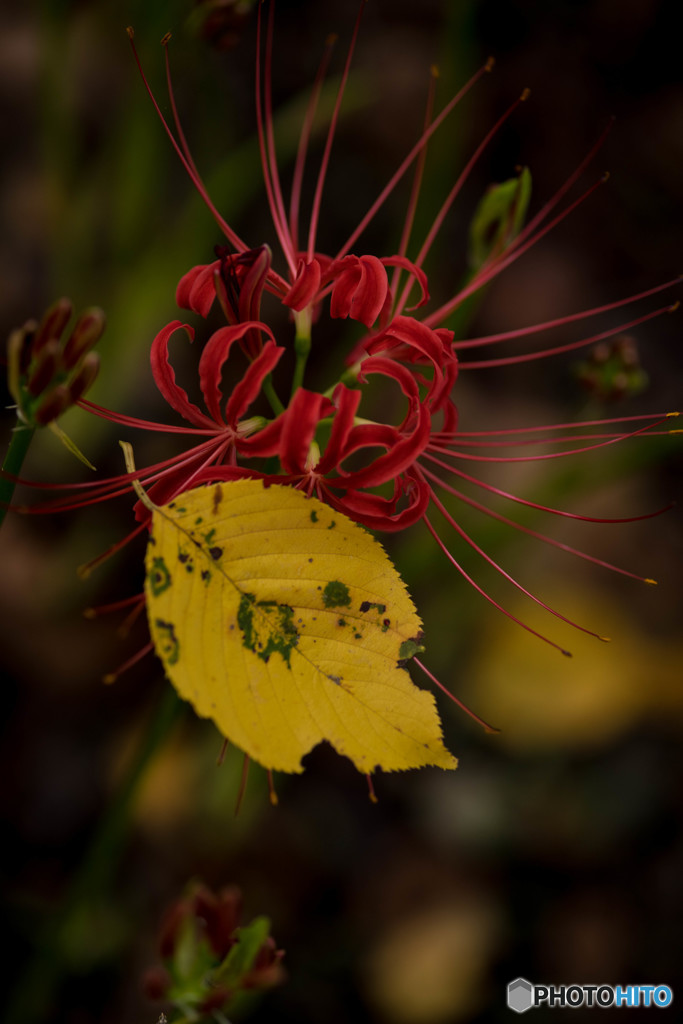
x=167, y=641
x=336, y=595
x=159, y=577
x=267, y=627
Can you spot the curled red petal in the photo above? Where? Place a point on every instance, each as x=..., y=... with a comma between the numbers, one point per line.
x=197, y=289
x=244, y=392
x=305, y=286
x=380, y=513
x=216, y=352
x=301, y=419
x=164, y=377
x=360, y=289
x=417, y=273
x=346, y=400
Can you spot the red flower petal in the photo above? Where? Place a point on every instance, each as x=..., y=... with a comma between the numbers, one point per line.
x=305, y=286
x=197, y=290
x=244, y=393
x=360, y=289
x=215, y=354
x=301, y=419
x=164, y=376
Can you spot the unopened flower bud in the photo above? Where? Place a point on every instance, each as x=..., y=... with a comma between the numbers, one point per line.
x=87, y=331
x=52, y=405
x=44, y=369
x=84, y=377
x=53, y=323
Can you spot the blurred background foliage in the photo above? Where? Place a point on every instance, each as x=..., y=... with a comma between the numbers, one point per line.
x=556, y=850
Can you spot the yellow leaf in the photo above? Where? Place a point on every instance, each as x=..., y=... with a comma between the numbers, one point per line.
x=287, y=624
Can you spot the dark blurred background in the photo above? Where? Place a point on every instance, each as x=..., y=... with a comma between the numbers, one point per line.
x=555, y=851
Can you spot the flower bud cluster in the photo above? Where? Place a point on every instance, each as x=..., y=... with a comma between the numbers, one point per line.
x=48, y=374
x=208, y=956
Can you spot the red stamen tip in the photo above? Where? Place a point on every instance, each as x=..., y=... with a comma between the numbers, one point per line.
x=272, y=795
x=567, y=654
x=371, y=790
x=526, y=93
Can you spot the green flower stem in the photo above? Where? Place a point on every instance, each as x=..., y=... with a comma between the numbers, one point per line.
x=302, y=346
x=270, y=393
x=22, y=436
x=36, y=992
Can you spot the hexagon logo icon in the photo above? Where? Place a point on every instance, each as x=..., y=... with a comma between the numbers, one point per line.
x=520, y=995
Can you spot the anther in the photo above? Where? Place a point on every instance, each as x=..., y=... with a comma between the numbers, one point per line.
x=526, y=93
x=129, y=32
x=605, y=177
x=490, y=63
x=166, y=39
x=674, y=306
x=651, y=583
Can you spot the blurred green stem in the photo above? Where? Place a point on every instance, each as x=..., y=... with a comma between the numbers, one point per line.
x=18, y=446
x=35, y=994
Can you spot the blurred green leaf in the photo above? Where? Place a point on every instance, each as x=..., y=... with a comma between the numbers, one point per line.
x=498, y=218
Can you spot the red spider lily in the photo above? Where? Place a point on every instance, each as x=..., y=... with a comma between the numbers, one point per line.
x=319, y=438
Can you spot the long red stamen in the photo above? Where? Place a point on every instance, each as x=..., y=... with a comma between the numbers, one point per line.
x=111, y=677
x=558, y=426
x=475, y=547
x=85, y=570
x=304, y=139
x=412, y=155
x=272, y=795
x=509, y=255
x=533, y=504
x=231, y=235
x=114, y=606
x=455, y=191
x=243, y=783
x=540, y=458
x=176, y=119
x=266, y=140
x=532, y=533
x=548, y=207
x=522, y=332
x=451, y=558
x=417, y=181
x=526, y=357
x=317, y=198
x=134, y=421
x=463, y=707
